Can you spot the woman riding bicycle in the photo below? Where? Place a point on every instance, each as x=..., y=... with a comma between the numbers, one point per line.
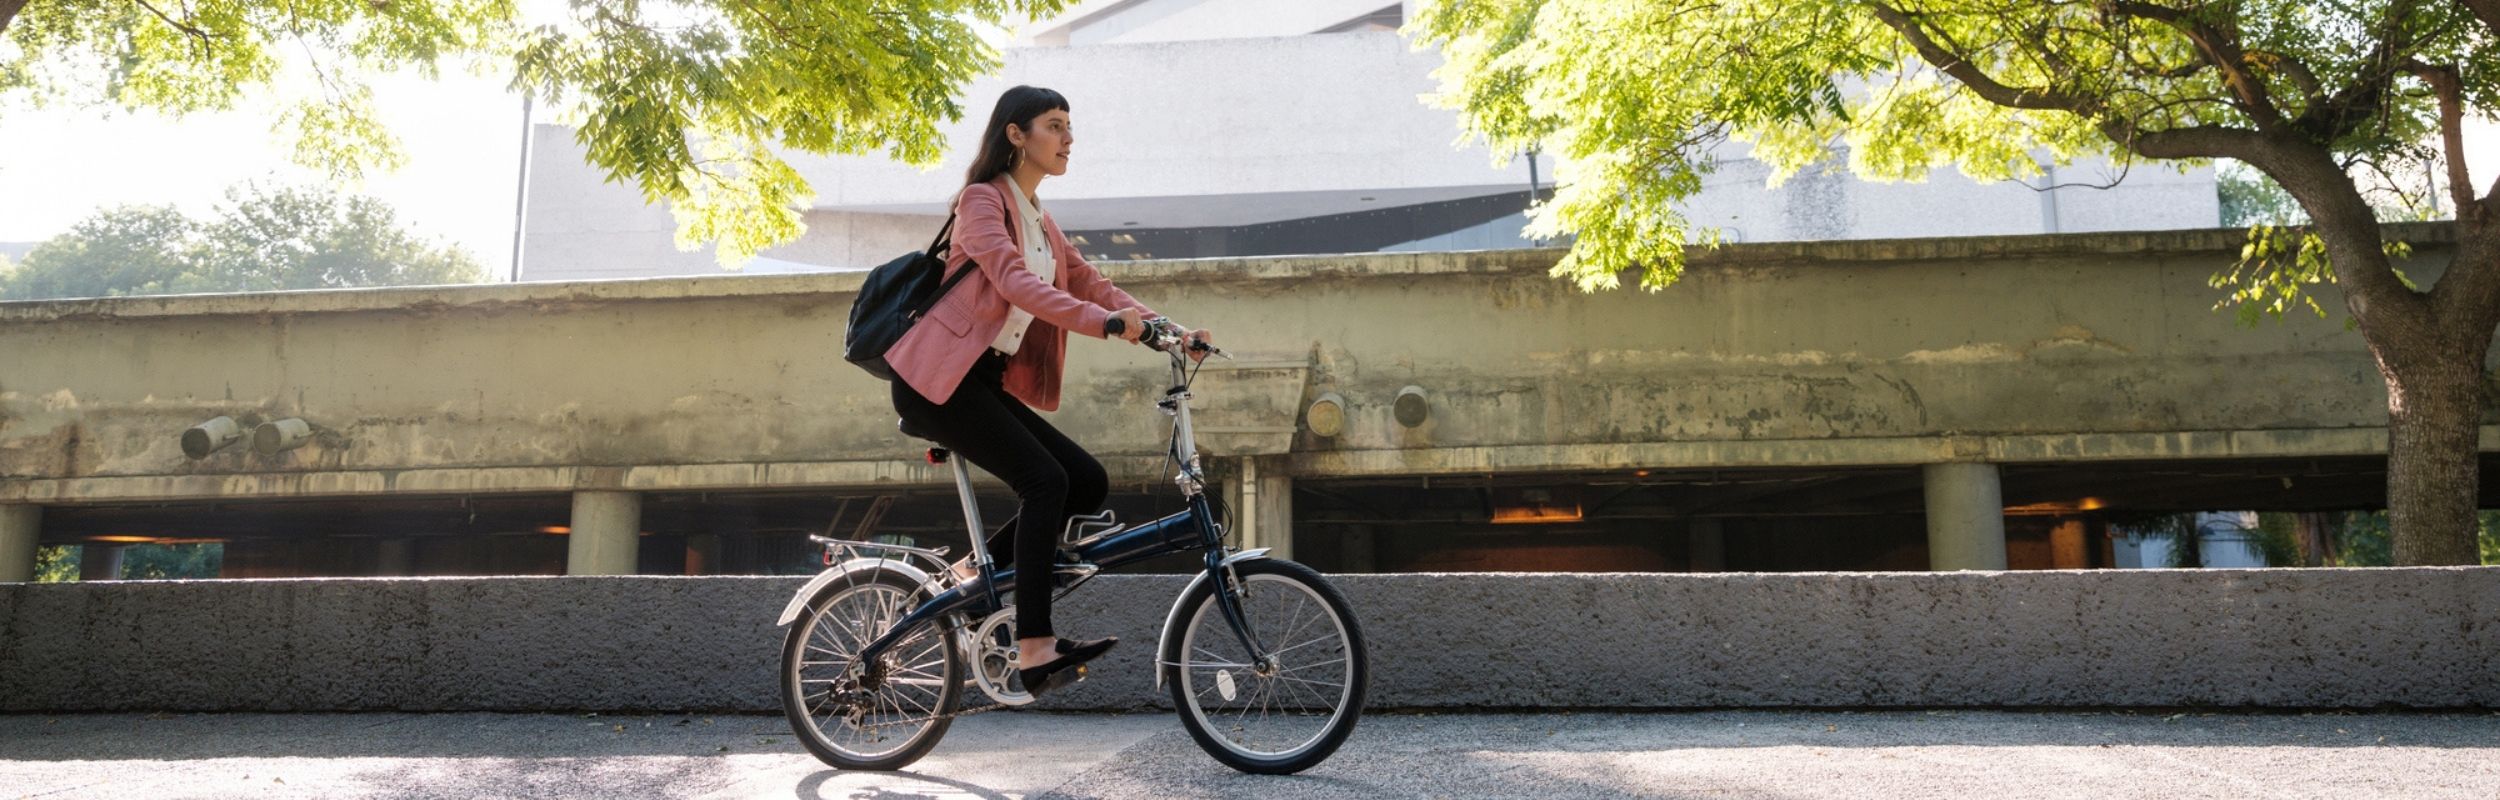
x=997, y=344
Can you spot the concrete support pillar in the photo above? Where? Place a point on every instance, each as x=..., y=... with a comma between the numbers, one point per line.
x=21, y=526
x=99, y=562
x=1965, y=517
x=1241, y=502
x=1262, y=509
x=605, y=527
x=395, y=557
x=703, y=554
x=1707, y=545
x=1276, y=513
x=2067, y=546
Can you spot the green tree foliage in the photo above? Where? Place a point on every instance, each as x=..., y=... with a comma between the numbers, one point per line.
x=1638, y=97
x=172, y=561
x=2365, y=541
x=139, y=561
x=261, y=239
x=690, y=101
x=56, y=564
x=295, y=238
x=2353, y=539
x=127, y=250
x=2250, y=199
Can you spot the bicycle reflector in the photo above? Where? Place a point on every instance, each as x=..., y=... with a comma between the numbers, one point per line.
x=937, y=455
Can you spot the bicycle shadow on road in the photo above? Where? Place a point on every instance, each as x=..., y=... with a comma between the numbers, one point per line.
x=872, y=786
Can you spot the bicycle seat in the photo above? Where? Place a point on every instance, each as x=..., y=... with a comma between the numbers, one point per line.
x=937, y=455
x=908, y=429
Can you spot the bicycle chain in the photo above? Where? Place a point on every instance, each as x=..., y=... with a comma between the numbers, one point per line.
x=951, y=715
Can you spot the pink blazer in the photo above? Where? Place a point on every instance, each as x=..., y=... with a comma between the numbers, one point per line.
x=938, y=351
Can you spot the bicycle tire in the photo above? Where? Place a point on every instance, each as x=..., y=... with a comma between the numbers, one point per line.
x=1284, y=601
x=852, y=611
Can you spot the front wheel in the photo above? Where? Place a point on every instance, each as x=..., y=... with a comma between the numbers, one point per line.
x=1282, y=714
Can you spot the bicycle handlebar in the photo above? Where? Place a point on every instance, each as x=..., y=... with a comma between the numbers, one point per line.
x=1161, y=334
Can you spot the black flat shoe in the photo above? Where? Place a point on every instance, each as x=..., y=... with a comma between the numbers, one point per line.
x=1068, y=668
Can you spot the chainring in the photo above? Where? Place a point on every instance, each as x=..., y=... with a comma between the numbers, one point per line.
x=993, y=654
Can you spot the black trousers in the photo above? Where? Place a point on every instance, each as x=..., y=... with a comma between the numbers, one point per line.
x=1052, y=476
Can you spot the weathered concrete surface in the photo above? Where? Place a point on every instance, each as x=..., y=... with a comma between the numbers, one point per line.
x=2283, y=638
x=2089, y=346
x=1949, y=754
x=464, y=756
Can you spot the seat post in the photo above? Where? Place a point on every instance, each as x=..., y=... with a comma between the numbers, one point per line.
x=972, y=511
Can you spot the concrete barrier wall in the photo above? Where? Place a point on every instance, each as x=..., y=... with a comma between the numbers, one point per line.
x=2280, y=638
x=1805, y=354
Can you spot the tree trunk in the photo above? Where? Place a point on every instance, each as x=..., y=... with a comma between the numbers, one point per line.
x=2435, y=398
x=2434, y=421
x=2190, y=553
x=2316, y=546
x=2429, y=347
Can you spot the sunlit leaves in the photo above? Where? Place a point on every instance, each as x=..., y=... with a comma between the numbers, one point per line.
x=1633, y=98
x=694, y=103
x=2277, y=268
x=1639, y=97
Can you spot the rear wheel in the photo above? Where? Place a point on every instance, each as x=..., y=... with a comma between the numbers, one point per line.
x=1285, y=713
x=876, y=716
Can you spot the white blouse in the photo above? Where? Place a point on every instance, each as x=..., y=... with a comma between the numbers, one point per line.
x=1039, y=258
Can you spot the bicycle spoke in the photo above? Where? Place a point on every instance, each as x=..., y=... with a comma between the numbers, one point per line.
x=1312, y=665
x=870, y=723
x=1270, y=712
x=1306, y=682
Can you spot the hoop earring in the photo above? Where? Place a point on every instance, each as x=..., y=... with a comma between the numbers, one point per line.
x=1015, y=157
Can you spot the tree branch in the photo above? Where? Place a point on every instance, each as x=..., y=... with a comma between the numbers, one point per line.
x=2329, y=121
x=2201, y=141
x=2304, y=167
x=8, y=12
x=184, y=27
x=2443, y=79
x=1960, y=69
x=2221, y=49
x=2311, y=91
x=2488, y=11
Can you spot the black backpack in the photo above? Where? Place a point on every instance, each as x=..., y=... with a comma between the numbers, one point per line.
x=893, y=297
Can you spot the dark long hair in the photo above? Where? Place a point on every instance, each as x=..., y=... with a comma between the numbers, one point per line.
x=1018, y=106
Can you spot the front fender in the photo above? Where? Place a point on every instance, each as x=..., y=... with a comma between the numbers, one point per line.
x=798, y=602
x=1172, y=619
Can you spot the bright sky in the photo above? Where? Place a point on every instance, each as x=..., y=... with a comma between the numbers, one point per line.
x=462, y=137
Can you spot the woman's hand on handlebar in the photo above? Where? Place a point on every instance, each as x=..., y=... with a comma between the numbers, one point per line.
x=1132, y=324
x=1201, y=343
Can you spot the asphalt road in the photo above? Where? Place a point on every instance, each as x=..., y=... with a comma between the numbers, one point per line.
x=1960, y=754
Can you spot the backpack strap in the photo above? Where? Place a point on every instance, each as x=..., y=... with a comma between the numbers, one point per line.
x=936, y=251
x=943, y=242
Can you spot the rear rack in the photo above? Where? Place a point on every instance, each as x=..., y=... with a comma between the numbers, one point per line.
x=840, y=550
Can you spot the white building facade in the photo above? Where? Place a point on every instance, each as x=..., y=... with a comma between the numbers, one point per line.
x=1247, y=127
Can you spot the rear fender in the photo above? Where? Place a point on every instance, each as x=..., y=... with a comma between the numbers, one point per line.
x=798, y=602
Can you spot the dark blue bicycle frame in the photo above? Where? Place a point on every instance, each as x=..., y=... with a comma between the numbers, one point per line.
x=1193, y=529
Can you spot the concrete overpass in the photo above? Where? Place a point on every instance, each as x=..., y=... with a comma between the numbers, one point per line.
x=1886, y=404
